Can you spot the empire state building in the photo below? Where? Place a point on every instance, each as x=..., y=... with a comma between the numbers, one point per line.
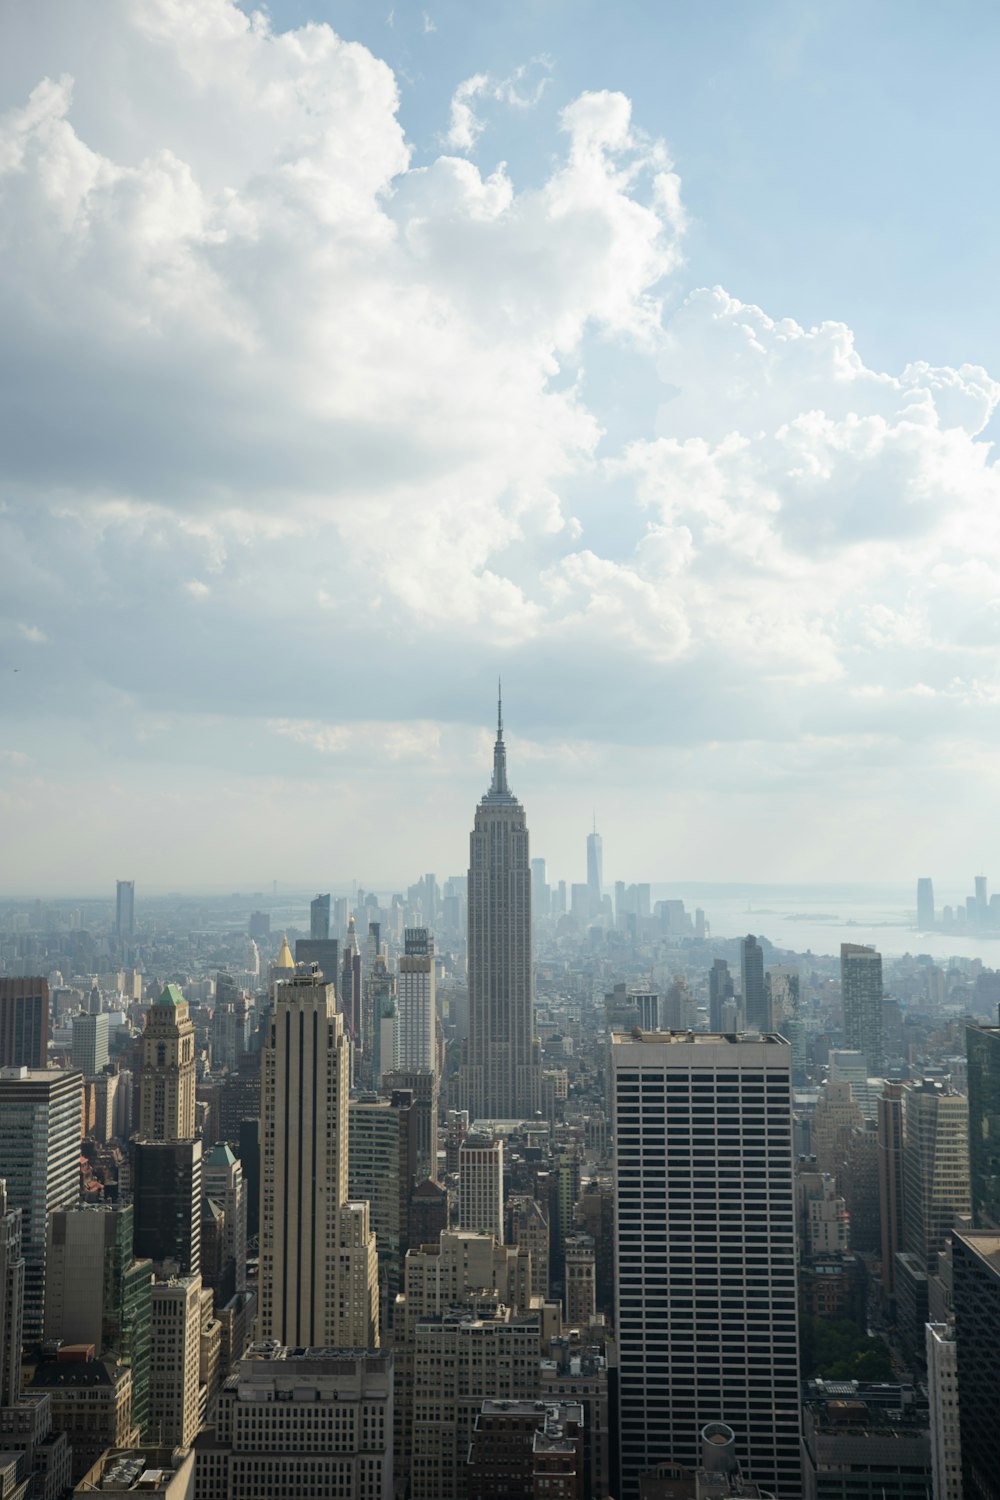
x=503, y=1069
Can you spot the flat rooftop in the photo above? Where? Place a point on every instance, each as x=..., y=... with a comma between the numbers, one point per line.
x=698, y=1038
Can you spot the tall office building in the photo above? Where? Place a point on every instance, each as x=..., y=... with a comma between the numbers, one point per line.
x=97, y=1292
x=223, y=1183
x=319, y=918
x=125, y=911
x=595, y=870
x=415, y=1005
x=424, y=1087
x=925, y=903
x=982, y=902
x=350, y=988
x=935, y=1167
x=40, y=1129
x=975, y=1262
x=166, y=1193
x=175, y=1342
x=90, y=1043
x=982, y=1045
x=720, y=989
x=705, y=1253
x=380, y=1004
x=167, y=1075
x=861, y=991
x=942, y=1397
x=540, y=894
x=382, y=1169
x=11, y=1299
x=755, y=1007
x=890, y=1183
x=24, y=1023
x=503, y=1070
x=480, y=1186
x=318, y=1265
x=322, y=951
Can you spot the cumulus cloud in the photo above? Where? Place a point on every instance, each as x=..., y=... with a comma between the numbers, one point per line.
x=296, y=438
x=522, y=89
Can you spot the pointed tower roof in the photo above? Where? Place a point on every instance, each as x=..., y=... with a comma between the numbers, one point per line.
x=498, y=786
x=220, y=1156
x=285, y=959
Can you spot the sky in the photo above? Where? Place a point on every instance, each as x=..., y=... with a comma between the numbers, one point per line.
x=357, y=354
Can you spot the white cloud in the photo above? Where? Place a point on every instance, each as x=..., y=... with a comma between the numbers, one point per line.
x=32, y=633
x=522, y=89
x=325, y=431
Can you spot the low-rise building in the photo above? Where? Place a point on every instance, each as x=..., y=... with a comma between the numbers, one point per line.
x=165, y=1473
x=855, y=1443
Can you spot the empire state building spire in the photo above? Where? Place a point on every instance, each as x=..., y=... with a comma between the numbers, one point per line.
x=499, y=787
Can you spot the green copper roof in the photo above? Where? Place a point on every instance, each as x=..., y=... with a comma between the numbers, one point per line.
x=219, y=1156
x=171, y=995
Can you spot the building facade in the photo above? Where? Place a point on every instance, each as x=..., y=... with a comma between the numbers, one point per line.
x=935, y=1167
x=705, y=1253
x=976, y=1270
x=40, y=1132
x=318, y=1263
x=310, y=1423
x=24, y=1022
x=942, y=1395
x=167, y=1074
x=416, y=1014
x=480, y=1186
x=861, y=990
x=96, y=1292
x=983, y=1056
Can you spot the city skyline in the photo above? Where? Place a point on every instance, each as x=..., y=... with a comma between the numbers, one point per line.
x=725, y=519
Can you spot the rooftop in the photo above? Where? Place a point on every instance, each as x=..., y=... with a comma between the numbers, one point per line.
x=983, y=1243
x=171, y=995
x=696, y=1038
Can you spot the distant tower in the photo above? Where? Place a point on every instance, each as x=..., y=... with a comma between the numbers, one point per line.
x=720, y=989
x=350, y=987
x=125, y=911
x=925, y=903
x=318, y=1267
x=595, y=870
x=319, y=918
x=415, y=1006
x=756, y=1011
x=982, y=899
x=167, y=1078
x=503, y=1069
x=861, y=989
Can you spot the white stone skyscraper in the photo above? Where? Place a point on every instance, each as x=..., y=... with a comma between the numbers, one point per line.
x=503, y=1069
x=318, y=1267
x=415, y=1004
